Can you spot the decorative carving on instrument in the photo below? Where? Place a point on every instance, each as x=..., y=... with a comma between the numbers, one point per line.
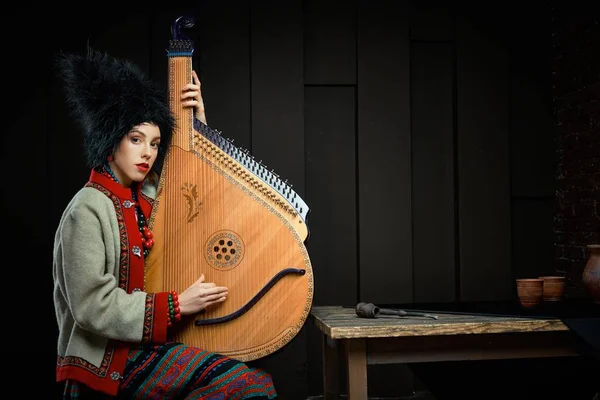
x=177, y=35
x=190, y=192
x=224, y=249
x=255, y=173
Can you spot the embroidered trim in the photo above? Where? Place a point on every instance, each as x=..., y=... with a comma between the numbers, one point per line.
x=147, y=198
x=101, y=371
x=148, y=319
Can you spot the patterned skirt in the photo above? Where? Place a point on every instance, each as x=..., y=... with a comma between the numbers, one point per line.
x=177, y=371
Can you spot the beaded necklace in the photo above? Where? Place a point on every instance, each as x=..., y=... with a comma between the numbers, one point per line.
x=145, y=232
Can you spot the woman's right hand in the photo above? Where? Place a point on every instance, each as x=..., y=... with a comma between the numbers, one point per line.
x=201, y=295
x=192, y=97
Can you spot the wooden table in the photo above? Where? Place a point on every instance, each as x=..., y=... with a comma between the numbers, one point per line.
x=358, y=342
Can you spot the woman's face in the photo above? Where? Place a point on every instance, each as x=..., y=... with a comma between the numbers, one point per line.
x=136, y=154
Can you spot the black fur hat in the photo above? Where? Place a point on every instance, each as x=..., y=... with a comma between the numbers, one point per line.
x=108, y=97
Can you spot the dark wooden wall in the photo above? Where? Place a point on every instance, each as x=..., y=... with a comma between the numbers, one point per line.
x=420, y=135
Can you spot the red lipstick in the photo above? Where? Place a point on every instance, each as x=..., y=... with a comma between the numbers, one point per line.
x=143, y=167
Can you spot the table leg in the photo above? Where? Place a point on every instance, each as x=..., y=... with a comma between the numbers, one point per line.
x=356, y=364
x=331, y=386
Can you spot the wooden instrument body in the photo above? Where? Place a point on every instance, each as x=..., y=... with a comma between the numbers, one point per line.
x=212, y=215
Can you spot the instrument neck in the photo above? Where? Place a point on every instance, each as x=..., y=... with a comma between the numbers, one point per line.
x=180, y=74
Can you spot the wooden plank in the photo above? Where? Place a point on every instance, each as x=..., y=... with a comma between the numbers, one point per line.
x=331, y=192
x=278, y=88
x=331, y=360
x=483, y=161
x=329, y=42
x=432, y=109
x=384, y=174
x=471, y=347
x=356, y=369
x=341, y=323
x=531, y=120
x=431, y=21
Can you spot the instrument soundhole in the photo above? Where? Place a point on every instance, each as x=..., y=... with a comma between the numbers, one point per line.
x=224, y=249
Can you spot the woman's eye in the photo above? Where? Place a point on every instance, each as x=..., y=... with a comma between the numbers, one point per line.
x=135, y=140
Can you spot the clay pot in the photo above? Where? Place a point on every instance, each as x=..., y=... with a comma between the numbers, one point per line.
x=554, y=288
x=530, y=291
x=591, y=273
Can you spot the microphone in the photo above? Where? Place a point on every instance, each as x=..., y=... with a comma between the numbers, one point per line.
x=370, y=310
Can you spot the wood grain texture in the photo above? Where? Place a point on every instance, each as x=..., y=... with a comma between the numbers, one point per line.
x=342, y=323
x=488, y=346
x=330, y=149
x=329, y=42
x=212, y=216
x=434, y=272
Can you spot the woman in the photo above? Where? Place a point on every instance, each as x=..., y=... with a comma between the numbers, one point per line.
x=113, y=336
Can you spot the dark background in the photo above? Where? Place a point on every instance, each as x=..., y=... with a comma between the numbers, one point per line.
x=444, y=150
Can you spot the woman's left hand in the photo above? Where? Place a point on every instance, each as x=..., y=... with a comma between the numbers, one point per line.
x=192, y=97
